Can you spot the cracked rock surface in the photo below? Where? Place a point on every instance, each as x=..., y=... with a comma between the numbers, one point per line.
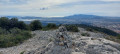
x=61, y=41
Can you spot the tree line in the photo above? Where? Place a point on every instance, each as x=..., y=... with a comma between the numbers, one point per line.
x=7, y=24
x=13, y=32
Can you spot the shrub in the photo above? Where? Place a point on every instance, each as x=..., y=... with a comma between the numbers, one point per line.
x=35, y=25
x=22, y=25
x=72, y=28
x=7, y=24
x=22, y=52
x=85, y=34
x=13, y=22
x=118, y=36
x=51, y=25
x=12, y=32
x=4, y=23
x=45, y=29
x=89, y=29
x=15, y=31
x=14, y=37
x=3, y=31
x=99, y=29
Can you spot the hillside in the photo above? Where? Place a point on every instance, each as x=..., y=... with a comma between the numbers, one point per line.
x=61, y=41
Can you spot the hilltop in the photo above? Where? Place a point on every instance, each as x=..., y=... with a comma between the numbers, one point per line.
x=61, y=41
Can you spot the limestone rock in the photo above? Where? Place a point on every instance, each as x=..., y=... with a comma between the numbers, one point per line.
x=64, y=42
x=62, y=37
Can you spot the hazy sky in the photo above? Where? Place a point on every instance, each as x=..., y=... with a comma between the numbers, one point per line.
x=49, y=8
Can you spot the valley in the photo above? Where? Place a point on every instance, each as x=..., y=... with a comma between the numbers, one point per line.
x=112, y=23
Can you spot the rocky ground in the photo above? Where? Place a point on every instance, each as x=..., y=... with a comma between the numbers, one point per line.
x=63, y=42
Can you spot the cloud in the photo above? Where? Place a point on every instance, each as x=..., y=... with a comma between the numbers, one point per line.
x=110, y=0
x=13, y=2
x=58, y=7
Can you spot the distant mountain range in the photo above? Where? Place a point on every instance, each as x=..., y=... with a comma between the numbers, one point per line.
x=77, y=16
x=75, y=19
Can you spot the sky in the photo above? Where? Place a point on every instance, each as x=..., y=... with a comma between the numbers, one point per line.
x=59, y=8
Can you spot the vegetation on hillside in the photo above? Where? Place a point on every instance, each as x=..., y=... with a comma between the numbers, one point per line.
x=35, y=25
x=85, y=34
x=13, y=37
x=99, y=29
x=118, y=36
x=49, y=26
x=111, y=35
x=72, y=28
x=14, y=32
x=7, y=24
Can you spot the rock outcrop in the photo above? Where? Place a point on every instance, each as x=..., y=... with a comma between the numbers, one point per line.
x=61, y=41
x=62, y=38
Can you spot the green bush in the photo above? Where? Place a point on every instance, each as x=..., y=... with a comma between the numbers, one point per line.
x=51, y=25
x=45, y=29
x=4, y=23
x=13, y=23
x=13, y=32
x=22, y=52
x=35, y=25
x=89, y=29
x=3, y=31
x=118, y=36
x=7, y=24
x=72, y=28
x=85, y=34
x=99, y=29
x=13, y=37
x=22, y=25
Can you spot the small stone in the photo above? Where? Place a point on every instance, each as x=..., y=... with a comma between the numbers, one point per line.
x=61, y=43
x=76, y=50
x=93, y=38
